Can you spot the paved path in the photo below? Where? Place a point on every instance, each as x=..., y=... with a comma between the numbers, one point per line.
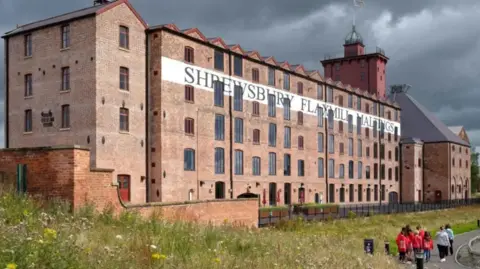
x=450, y=262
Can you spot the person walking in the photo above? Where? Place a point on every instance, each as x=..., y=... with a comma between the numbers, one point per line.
x=449, y=231
x=402, y=245
x=421, y=231
x=427, y=246
x=443, y=242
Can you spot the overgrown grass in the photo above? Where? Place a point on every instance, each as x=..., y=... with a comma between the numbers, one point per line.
x=48, y=236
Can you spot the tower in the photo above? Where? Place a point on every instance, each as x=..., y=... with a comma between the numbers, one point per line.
x=358, y=68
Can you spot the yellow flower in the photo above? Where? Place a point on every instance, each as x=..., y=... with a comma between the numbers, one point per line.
x=158, y=256
x=217, y=260
x=49, y=233
x=25, y=212
x=11, y=266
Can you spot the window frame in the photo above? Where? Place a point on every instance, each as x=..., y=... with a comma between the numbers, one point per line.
x=124, y=37
x=65, y=116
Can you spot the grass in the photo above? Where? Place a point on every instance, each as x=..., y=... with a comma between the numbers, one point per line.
x=34, y=235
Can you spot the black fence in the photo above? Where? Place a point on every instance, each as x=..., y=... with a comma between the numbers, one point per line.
x=270, y=217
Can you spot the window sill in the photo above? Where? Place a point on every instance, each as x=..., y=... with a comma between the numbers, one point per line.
x=124, y=91
x=189, y=101
x=65, y=49
x=65, y=91
x=28, y=133
x=124, y=49
x=64, y=129
x=27, y=57
x=189, y=134
x=28, y=97
x=124, y=132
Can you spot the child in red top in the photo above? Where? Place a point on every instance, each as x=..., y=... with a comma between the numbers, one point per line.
x=427, y=246
x=402, y=242
x=417, y=241
x=411, y=239
x=421, y=231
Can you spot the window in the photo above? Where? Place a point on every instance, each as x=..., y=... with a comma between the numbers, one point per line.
x=300, y=88
x=219, y=190
x=124, y=78
x=360, y=192
x=124, y=37
x=218, y=93
x=272, y=163
x=389, y=137
x=359, y=125
x=238, y=98
x=271, y=76
x=300, y=117
x=65, y=116
x=219, y=127
x=340, y=100
x=350, y=147
x=389, y=155
x=124, y=119
x=286, y=109
x=341, y=150
x=65, y=36
x=189, y=159
x=238, y=162
x=351, y=193
x=369, y=194
x=375, y=150
x=367, y=152
x=189, y=126
x=375, y=127
x=320, y=142
x=341, y=171
x=350, y=100
x=395, y=136
x=360, y=170
x=382, y=189
x=300, y=142
x=28, y=85
x=219, y=161
x=238, y=130
x=331, y=143
x=272, y=194
x=367, y=172
x=389, y=173
x=375, y=171
x=375, y=192
x=256, y=136
x=255, y=75
x=238, y=66
x=287, y=137
x=320, y=167
x=330, y=119
x=350, y=169
x=382, y=130
x=382, y=171
x=287, y=161
x=330, y=94
x=382, y=151
x=301, y=168
x=340, y=126
x=331, y=193
x=374, y=109
x=272, y=110
x=272, y=134
x=350, y=123
x=367, y=108
x=256, y=164
x=396, y=173
x=189, y=97
x=359, y=148
x=319, y=117
x=28, y=121
x=218, y=62
x=319, y=92
x=359, y=103
x=389, y=115
x=286, y=81
x=255, y=108
x=396, y=154
x=367, y=132
x=27, y=45
x=331, y=168
x=189, y=55
x=382, y=111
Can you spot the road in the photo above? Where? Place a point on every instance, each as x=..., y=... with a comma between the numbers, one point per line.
x=450, y=262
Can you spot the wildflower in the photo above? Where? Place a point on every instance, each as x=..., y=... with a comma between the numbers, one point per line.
x=158, y=256
x=216, y=260
x=25, y=212
x=119, y=237
x=11, y=266
x=49, y=233
x=153, y=247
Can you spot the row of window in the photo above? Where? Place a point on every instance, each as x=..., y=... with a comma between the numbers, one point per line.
x=65, y=39
x=460, y=149
x=65, y=116
x=360, y=192
x=238, y=71
x=189, y=165
x=459, y=163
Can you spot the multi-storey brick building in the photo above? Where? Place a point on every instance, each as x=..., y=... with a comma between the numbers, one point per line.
x=183, y=117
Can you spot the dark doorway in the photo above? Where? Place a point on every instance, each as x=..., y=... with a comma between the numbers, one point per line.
x=317, y=198
x=301, y=195
x=248, y=195
x=466, y=194
x=219, y=190
x=331, y=193
x=393, y=197
x=272, y=194
x=438, y=196
x=287, y=193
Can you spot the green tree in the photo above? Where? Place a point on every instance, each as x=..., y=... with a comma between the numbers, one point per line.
x=475, y=178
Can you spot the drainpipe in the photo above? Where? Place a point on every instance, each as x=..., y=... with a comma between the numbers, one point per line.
x=230, y=116
x=380, y=155
x=198, y=161
x=6, y=93
x=325, y=162
x=147, y=119
x=400, y=169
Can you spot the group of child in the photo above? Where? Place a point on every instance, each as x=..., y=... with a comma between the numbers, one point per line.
x=410, y=242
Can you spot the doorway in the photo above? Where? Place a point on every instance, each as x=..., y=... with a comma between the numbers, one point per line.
x=287, y=193
x=438, y=196
x=124, y=187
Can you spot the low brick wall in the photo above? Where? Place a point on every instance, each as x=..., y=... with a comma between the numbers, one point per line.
x=65, y=173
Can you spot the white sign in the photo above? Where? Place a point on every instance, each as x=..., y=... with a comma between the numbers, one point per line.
x=202, y=78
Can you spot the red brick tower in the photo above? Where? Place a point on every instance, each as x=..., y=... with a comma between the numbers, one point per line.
x=360, y=70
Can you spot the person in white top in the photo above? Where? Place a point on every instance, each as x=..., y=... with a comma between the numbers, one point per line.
x=443, y=242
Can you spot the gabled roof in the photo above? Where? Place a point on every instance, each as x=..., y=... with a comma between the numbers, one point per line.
x=418, y=122
x=82, y=13
x=455, y=129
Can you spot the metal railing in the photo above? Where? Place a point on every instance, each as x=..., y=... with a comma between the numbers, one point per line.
x=338, y=55
x=270, y=217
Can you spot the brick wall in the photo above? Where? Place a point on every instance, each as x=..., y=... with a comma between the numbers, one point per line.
x=437, y=169
x=65, y=173
x=412, y=171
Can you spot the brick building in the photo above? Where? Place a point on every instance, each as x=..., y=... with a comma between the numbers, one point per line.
x=180, y=116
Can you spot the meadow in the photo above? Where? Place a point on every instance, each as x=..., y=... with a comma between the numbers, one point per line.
x=45, y=235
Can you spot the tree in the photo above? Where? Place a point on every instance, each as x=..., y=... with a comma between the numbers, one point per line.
x=474, y=176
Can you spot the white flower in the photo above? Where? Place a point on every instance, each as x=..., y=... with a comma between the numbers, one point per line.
x=119, y=237
x=153, y=247
x=28, y=239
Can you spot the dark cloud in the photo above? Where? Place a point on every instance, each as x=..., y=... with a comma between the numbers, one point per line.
x=432, y=44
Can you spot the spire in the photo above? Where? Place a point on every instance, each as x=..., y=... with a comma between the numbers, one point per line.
x=353, y=37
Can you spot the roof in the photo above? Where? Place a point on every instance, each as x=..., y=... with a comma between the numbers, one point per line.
x=353, y=37
x=455, y=129
x=418, y=122
x=81, y=13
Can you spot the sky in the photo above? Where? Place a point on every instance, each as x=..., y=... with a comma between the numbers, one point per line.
x=433, y=45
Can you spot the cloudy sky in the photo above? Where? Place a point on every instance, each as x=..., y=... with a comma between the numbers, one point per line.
x=433, y=45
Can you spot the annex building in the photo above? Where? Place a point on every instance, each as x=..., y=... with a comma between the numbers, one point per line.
x=180, y=116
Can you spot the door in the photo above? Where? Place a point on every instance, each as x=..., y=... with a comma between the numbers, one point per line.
x=438, y=196
x=287, y=189
x=317, y=198
x=124, y=187
x=393, y=197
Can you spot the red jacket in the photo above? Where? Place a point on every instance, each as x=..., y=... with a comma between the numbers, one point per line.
x=411, y=239
x=428, y=244
x=421, y=233
x=402, y=242
x=417, y=241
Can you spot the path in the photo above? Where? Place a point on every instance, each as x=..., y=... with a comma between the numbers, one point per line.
x=450, y=263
